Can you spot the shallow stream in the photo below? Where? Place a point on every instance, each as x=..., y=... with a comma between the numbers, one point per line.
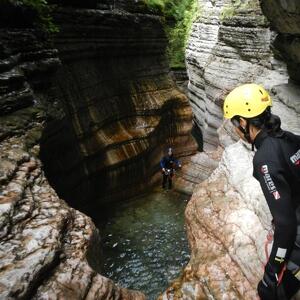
x=145, y=245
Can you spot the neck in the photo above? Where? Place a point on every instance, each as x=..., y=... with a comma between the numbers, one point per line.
x=253, y=133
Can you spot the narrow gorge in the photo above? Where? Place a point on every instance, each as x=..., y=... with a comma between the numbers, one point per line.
x=88, y=107
x=227, y=218
x=85, y=117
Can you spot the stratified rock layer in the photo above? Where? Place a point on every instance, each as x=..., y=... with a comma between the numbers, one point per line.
x=100, y=104
x=229, y=45
x=122, y=106
x=227, y=223
x=47, y=248
x=285, y=16
x=227, y=218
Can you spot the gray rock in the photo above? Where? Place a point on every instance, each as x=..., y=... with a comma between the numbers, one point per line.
x=229, y=45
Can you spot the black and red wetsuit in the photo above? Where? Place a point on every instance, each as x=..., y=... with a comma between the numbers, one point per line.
x=276, y=165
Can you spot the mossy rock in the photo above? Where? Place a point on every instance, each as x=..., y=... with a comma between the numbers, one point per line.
x=33, y=137
x=20, y=121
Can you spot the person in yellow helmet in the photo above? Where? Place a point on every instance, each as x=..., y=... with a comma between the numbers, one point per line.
x=276, y=165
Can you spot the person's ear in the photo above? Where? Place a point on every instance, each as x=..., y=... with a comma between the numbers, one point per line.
x=243, y=123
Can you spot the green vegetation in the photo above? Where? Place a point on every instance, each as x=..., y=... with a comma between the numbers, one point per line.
x=42, y=11
x=232, y=9
x=179, y=16
x=156, y=6
x=227, y=13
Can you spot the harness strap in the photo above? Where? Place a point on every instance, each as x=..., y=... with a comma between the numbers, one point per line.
x=269, y=240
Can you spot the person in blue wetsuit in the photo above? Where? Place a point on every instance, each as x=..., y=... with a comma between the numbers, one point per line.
x=276, y=165
x=168, y=164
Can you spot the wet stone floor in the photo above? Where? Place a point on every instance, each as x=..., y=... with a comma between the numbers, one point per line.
x=145, y=244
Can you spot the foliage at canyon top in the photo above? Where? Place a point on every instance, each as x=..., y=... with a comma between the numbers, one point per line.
x=179, y=16
x=35, y=12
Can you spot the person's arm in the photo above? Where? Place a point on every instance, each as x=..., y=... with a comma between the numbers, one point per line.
x=177, y=162
x=278, y=196
x=162, y=164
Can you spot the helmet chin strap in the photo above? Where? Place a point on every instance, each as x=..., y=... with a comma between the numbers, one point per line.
x=246, y=133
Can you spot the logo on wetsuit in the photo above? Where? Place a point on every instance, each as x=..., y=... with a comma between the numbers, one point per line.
x=295, y=159
x=269, y=182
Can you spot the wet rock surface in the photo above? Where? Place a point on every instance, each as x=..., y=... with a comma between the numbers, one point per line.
x=223, y=229
x=47, y=248
x=57, y=95
x=228, y=218
x=121, y=106
x=196, y=169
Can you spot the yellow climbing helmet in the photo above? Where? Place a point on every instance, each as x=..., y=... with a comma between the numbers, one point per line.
x=248, y=101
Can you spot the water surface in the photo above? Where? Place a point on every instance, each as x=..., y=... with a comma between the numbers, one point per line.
x=145, y=245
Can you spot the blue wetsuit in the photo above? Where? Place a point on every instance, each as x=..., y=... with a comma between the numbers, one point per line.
x=168, y=162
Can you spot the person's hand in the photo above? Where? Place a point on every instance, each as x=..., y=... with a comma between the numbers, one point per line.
x=267, y=287
x=163, y=170
x=267, y=292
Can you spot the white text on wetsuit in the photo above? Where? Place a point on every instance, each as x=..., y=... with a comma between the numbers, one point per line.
x=269, y=182
x=296, y=157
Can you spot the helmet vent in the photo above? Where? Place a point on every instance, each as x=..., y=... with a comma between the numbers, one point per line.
x=249, y=109
x=261, y=92
x=247, y=103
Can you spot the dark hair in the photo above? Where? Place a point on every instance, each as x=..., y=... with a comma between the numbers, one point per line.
x=267, y=121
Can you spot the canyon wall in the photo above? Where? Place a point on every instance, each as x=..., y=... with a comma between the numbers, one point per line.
x=228, y=45
x=47, y=248
x=121, y=107
x=227, y=217
x=89, y=111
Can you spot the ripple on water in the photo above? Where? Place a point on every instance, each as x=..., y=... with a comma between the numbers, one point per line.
x=145, y=245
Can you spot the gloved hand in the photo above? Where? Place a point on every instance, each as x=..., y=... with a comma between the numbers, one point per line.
x=268, y=292
x=267, y=287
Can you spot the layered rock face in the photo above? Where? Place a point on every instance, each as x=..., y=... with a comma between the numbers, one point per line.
x=100, y=104
x=284, y=16
x=227, y=218
x=47, y=248
x=227, y=223
x=122, y=107
x=228, y=45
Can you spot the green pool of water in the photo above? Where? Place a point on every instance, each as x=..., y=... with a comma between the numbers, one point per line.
x=145, y=245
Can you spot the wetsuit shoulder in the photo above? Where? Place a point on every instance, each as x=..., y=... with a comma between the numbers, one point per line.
x=269, y=151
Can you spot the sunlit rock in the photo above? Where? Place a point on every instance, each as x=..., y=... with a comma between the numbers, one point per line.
x=228, y=218
x=230, y=44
